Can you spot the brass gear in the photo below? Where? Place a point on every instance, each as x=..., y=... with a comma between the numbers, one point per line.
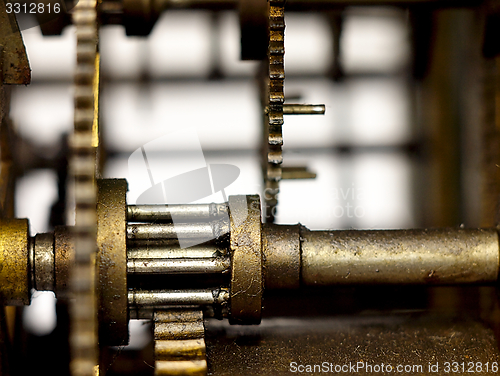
x=273, y=121
x=84, y=141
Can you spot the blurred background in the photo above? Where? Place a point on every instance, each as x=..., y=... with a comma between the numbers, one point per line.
x=409, y=123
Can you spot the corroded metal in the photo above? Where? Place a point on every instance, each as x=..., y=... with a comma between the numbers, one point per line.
x=441, y=256
x=215, y=265
x=14, y=62
x=157, y=298
x=44, y=263
x=246, y=258
x=179, y=342
x=112, y=261
x=281, y=251
x=14, y=271
x=64, y=249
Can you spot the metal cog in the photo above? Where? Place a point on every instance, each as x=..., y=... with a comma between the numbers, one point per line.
x=274, y=109
x=84, y=141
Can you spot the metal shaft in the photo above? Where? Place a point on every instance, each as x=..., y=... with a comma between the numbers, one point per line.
x=174, y=252
x=158, y=298
x=438, y=257
x=146, y=231
x=304, y=109
x=218, y=265
x=177, y=213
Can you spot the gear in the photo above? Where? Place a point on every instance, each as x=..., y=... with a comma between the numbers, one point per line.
x=83, y=310
x=274, y=109
x=180, y=342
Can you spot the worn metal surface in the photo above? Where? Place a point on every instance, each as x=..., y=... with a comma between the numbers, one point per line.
x=158, y=298
x=64, y=247
x=175, y=252
x=112, y=261
x=419, y=338
x=246, y=259
x=44, y=265
x=181, y=213
x=281, y=251
x=15, y=66
x=441, y=256
x=14, y=273
x=179, y=342
x=218, y=265
x=179, y=349
x=200, y=230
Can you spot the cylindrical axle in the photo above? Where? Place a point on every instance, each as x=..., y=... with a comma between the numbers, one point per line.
x=435, y=257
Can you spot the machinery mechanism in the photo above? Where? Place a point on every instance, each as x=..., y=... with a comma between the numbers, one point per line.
x=203, y=273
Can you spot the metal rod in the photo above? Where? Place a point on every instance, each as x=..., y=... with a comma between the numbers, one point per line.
x=219, y=265
x=437, y=257
x=159, y=298
x=174, y=252
x=304, y=109
x=301, y=172
x=177, y=213
x=208, y=230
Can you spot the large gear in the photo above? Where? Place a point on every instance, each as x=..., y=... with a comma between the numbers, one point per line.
x=274, y=109
x=83, y=309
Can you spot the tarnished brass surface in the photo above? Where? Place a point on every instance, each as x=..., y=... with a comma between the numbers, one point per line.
x=281, y=251
x=44, y=262
x=440, y=256
x=246, y=257
x=112, y=261
x=14, y=272
x=14, y=60
x=417, y=338
x=179, y=348
x=64, y=248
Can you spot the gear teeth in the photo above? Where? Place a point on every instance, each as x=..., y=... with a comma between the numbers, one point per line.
x=83, y=310
x=275, y=100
